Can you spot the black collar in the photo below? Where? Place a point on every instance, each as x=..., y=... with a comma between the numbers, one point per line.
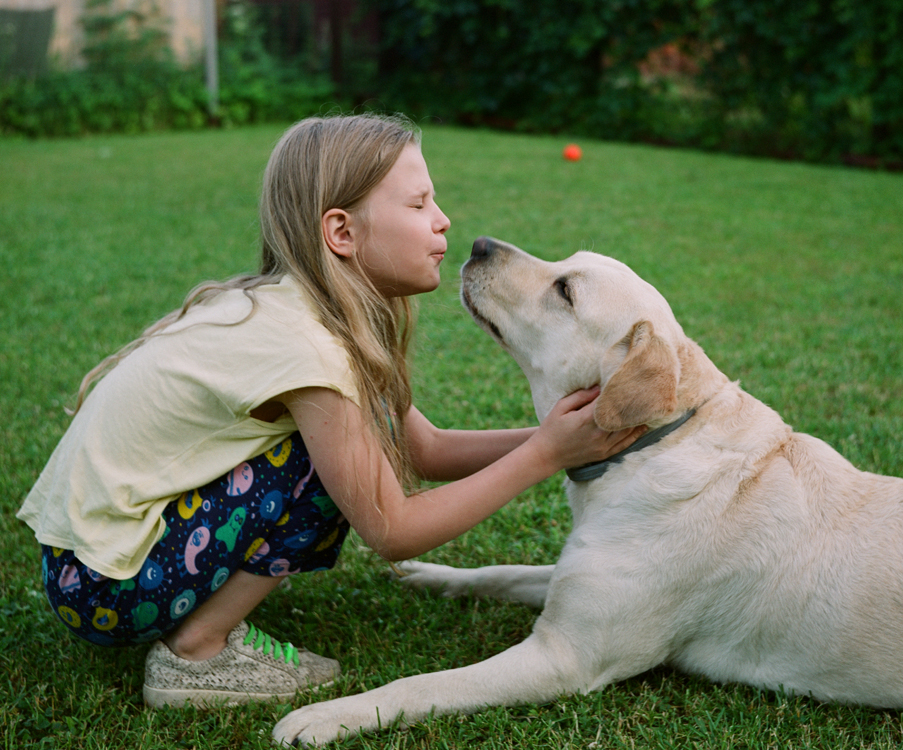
x=596, y=470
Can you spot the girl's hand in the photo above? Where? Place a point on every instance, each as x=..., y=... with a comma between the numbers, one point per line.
x=569, y=437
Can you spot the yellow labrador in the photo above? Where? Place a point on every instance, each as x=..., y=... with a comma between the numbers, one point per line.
x=725, y=544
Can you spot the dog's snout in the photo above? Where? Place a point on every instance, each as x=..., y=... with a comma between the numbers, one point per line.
x=483, y=247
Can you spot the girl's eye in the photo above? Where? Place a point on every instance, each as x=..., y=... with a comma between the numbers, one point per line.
x=561, y=286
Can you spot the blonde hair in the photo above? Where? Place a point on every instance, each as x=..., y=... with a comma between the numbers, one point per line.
x=317, y=165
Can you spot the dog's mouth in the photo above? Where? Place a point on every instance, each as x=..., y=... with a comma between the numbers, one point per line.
x=481, y=321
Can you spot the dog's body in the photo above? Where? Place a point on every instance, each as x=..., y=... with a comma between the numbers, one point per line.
x=733, y=547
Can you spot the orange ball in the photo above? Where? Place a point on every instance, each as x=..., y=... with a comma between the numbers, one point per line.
x=572, y=152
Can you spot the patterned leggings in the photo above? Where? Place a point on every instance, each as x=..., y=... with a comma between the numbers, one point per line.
x=269, y=516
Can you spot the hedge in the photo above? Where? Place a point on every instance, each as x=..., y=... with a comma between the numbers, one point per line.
x=131, y=83
x=813, y=79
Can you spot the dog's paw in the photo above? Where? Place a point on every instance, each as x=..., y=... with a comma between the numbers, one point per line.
x=310, y=726
x=450, y=582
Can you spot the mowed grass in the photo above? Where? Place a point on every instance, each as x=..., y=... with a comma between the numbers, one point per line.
x=789, y=276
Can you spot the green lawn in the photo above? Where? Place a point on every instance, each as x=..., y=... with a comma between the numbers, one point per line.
x=790, y=276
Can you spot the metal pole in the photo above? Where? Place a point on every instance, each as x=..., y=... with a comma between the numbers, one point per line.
x=336, y=11
x=211, y=62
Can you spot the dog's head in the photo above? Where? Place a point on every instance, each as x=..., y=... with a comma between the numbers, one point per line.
x=580, y=322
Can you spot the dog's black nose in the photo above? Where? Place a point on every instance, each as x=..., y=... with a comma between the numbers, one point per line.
x=483, y=247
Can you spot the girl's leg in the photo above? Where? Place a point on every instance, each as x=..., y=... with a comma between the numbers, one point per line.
x=307, y=533
x=243, y=532
x=205, y=631
x=213, y=655
x=226, y=547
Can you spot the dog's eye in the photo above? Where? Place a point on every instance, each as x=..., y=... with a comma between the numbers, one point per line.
x=561, y=286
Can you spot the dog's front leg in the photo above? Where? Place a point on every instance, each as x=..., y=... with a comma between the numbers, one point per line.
x=534, y=671
x=525, y=584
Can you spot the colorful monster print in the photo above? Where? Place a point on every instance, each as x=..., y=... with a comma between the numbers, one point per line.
x=151, y=575
x=94, y=575
x=144, y=615
x=271, y=505
x=299, y=488
x=104, y=619
x=269, y=516
x=279, y=455
x=279, y=568
x=219, y=578
x=69, y=579
x=239, y=480
x=182, y=604
x=197, y=543
x=189, y=503
x=328, y=541
x=258, y=549
x=70, y=617
x=119, y=586
x=229, y=532
x=302, y=539
x=325, y=504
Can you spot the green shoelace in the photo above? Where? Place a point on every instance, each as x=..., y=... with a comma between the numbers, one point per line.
x=260, y=641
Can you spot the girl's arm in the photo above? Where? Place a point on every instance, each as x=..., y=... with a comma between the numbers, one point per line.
x=361, y=482
x=446, y=455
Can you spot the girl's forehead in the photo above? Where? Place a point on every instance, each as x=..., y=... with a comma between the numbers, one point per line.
x=408, y=174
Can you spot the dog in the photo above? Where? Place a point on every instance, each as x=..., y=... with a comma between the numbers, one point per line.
x=722, y=543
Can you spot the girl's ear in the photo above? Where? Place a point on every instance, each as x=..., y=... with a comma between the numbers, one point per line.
x=337, y=232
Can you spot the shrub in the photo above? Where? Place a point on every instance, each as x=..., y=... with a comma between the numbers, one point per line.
x=822, y=78
x=132, y=83
x=817, y=79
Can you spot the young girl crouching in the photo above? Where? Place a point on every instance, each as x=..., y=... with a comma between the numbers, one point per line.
x=234, y=442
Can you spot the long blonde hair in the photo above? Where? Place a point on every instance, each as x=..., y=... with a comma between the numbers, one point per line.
x=317, y=165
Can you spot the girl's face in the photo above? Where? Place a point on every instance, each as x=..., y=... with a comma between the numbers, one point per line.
x=405, y=239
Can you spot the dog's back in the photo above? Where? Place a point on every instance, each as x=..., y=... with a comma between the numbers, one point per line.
x=800, y=567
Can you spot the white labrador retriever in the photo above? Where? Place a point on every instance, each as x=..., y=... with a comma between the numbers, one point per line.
x=725, y=544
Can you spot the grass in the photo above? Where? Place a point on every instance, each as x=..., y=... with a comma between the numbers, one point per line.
x=789, y=275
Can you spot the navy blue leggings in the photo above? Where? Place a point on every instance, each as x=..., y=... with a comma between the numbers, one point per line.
x=269, y=516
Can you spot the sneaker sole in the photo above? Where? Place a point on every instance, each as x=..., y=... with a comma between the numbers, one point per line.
x=160, y=697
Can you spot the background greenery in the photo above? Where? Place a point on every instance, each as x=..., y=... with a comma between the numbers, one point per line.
x=131, y=83
x=789, y=275
x=818, y=80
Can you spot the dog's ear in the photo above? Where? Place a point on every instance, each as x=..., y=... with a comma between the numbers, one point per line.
x=644, y=387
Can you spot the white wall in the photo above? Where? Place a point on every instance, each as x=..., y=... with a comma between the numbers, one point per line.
x=185, y=25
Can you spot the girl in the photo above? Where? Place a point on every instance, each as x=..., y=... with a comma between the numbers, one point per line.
x=235, y=441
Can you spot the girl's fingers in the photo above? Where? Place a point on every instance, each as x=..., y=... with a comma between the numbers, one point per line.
x=625, y=438
x=578, y=399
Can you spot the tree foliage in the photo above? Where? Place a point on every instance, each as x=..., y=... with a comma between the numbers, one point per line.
x=818, y=79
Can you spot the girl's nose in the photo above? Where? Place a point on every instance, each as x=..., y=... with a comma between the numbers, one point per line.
x=444, y=223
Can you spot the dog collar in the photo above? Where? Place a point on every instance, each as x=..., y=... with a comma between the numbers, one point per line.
x=596, y=470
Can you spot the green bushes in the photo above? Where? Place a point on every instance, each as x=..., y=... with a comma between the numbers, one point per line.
x=256, y=86
x=131, y=83
x=141, y=98
x=815, y=79
x=821, y=78
x=544, y=65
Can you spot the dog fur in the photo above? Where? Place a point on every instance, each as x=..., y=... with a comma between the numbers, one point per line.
x=734, y=548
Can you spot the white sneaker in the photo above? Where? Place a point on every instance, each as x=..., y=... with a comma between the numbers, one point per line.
x=253, y=666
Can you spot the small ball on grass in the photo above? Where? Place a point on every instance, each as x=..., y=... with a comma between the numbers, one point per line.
x=572, y=152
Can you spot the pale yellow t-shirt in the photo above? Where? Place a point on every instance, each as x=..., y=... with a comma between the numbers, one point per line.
x=174, y=415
